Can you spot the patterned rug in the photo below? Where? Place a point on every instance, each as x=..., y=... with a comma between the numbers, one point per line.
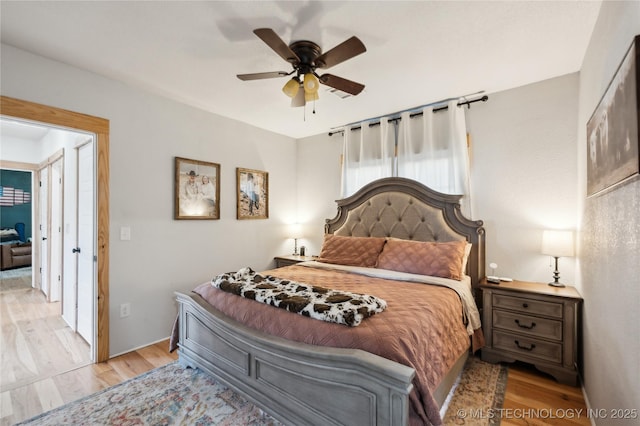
x=172, y=395
x=478, y=396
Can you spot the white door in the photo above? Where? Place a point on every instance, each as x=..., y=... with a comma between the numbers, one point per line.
x=43, y=201
x=55, y=231
x=85, y=249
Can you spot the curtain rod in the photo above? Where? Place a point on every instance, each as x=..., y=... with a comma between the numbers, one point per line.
x=484, y=98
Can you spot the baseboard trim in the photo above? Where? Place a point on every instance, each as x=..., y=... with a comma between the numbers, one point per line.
x=139, y=347
x=586, y=401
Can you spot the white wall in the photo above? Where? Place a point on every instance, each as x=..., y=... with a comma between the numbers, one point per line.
x=609, y=243
x=318, y=186
x=146, y=133
x=523, y=175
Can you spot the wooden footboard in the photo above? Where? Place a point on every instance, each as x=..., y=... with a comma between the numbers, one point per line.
x=297, y=383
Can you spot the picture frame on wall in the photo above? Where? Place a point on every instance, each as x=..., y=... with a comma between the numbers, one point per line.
x=197, y=189
x=252, y=194
x=613, y=134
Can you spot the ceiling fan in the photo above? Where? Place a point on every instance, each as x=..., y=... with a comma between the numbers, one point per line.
x=305, y=57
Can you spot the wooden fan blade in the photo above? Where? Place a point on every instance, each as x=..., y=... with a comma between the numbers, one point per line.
x=261, y=75
x=345, y=50
x=274, y=41
x=340, y=83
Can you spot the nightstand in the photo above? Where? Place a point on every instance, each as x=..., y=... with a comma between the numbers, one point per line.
x=535, y=323
x=291, y=259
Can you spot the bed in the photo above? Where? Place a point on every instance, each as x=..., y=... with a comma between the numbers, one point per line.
x=316, y=378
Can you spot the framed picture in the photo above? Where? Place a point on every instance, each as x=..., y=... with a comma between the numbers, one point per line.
x=197, y=189
x=252, y=194
x=612, y=131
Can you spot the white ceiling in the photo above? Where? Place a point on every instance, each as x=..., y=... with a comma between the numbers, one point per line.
x=418, y=52
x=15, y=129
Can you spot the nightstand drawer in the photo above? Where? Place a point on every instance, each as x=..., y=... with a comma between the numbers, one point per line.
x=524, y=345
x=280, y=263
x=531, y=306
x=292, y=259
x=529, y=325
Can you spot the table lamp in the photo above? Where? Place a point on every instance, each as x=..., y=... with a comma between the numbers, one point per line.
x=295, y=232
x=557, y=244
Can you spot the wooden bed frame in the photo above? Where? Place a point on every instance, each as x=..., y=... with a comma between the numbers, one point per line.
x=301, y=384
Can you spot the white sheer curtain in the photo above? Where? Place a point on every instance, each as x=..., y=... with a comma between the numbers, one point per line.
x=432, y=149
x=367, y=155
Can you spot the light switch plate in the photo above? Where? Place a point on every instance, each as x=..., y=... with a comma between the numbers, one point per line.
x=125, y=233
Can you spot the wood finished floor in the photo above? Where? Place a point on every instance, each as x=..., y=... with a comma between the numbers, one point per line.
x=528, y=392
x=36, y=341
x=535, y=399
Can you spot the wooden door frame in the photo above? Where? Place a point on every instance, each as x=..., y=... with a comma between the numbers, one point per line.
x=11, y=107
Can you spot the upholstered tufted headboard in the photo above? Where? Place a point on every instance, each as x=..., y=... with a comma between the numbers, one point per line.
x=404, y=208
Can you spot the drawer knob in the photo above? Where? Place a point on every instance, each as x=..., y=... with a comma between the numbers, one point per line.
x=528, y=327
x=526, y=348
x=525, y=305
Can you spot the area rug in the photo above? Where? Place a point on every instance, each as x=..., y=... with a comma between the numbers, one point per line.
x=173, y=395
x=479, y=395
x=169, y=395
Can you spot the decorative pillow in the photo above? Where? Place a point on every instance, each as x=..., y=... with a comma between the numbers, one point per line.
x=424, y=258
x=465, y=258
x=352, y=251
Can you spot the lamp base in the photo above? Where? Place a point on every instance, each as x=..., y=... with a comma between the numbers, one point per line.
x=556, y=276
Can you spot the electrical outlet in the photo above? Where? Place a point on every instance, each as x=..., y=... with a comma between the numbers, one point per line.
x=125, y=310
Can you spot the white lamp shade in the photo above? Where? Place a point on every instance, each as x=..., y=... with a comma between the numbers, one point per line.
x=299, y=99
x=295, y=231
x=557, y=243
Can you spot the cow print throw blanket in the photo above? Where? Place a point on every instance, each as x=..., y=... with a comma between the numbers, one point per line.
x=312, y=301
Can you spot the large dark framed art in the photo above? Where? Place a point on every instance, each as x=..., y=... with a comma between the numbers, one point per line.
x=252, y=194
x=197, y=189
x=612, y=131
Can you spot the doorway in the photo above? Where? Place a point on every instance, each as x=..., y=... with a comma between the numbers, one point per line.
x=15, y=108
x=59, y=305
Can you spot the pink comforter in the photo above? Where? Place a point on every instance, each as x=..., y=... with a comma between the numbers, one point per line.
x=422, y=327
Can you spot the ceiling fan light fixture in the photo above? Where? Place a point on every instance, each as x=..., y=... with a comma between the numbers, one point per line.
x=299, y=99
x=311, y=83
x=305, y=56
x=291, y=88
x=311, y=96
